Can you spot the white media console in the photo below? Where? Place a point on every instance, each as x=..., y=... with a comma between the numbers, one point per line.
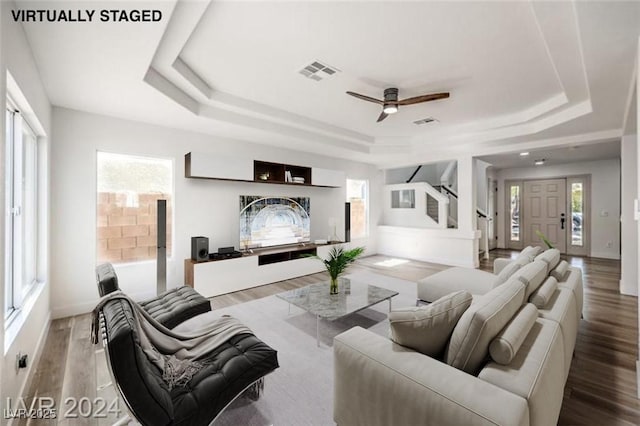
x=266, y=266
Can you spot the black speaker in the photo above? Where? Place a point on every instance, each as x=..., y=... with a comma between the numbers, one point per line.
x=199, y=248
x=347, y=222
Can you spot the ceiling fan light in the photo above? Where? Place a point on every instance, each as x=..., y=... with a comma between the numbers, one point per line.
x=390, y=109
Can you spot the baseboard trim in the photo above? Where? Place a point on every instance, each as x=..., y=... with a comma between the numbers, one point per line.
x=638, y=378
x=631, y=290
x=71, y=310
x=604, y=255
x=86, y=307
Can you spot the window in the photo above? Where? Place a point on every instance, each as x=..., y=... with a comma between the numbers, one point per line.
x=577, y=197
x=514, y=212
x=358, y=196
x=403, y=199
x=21, y=192
x=127, y=194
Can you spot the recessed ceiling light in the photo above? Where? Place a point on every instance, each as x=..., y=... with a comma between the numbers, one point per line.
x=524, y=154
x=539, y=162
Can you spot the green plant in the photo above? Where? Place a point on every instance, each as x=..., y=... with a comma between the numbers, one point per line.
x=544, y=239
x=339, y=259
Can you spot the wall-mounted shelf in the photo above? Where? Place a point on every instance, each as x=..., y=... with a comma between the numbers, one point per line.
x=210, y=166
x=265, y=172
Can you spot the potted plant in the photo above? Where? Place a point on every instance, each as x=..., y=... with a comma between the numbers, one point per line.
x=337, y=262
x=544, y=239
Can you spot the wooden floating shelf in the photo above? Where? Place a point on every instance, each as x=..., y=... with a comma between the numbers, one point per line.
x=209, y=166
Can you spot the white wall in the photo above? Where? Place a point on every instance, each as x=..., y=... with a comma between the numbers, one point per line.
x=637, y=114
x=605, y=199
x=202, y=207
x=628, y=224
x=452, y=247
x=481, y=183
x=415, y=217
x=15, y=56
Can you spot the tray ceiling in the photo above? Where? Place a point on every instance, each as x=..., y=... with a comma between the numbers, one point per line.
x=516, y=71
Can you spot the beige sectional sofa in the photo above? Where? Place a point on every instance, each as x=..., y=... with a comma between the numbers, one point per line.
x=504, y=361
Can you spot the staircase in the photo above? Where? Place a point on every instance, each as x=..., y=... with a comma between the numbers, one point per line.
x=447, y=186
x=432, y=207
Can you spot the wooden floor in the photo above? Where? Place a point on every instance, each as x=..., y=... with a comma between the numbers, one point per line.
x=601, y=389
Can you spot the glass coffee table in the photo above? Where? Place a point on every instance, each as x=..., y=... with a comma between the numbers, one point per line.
x=353, y=297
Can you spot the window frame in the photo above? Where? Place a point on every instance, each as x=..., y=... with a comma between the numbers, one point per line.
x=509, y=243
x=403, y=199
x=366, y=196
x=170, y=205
x=18, y=292
x=585, y=249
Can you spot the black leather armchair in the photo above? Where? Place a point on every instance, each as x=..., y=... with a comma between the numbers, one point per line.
x=233, y=367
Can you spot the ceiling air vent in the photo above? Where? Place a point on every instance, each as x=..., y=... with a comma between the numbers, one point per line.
x=424, y=121
x=317, y=71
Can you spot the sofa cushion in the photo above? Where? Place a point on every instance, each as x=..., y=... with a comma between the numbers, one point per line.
x=536, y=373
x=427, y=328
x=506, y=344
x=507, y=272
x=551, y=257
x=481, y=323
x=543, y=294
x=560, y=271
x=529, y=253
x=532, y=275
x=562, y=309
x=450, y=280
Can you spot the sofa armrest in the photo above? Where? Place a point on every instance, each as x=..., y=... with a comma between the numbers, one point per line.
x=377, y=382
x=573, y=281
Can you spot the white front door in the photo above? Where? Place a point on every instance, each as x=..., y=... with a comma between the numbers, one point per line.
x=544, y=204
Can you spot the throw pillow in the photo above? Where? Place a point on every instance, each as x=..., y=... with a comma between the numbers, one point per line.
x=532, y=275
x=543, y=294
x=469, y=344
x=528, y=254
x=427, y=329
x=506, y=344
x=506, y=272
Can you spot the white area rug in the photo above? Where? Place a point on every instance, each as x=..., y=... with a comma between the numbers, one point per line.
x=300, y=392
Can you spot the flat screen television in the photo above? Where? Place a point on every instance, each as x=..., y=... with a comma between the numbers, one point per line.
x=274, y=221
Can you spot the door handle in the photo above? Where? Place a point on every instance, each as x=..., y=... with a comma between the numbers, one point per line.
x=562, y=220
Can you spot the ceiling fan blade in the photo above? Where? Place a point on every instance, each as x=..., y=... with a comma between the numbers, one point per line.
x=383, y=115
x=366, y=98
x=423, y=98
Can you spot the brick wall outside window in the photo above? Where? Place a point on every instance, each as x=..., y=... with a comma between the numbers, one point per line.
x=126, y=230
x=358, y=218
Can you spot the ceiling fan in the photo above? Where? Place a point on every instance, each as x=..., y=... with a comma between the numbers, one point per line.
x=391, y=103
